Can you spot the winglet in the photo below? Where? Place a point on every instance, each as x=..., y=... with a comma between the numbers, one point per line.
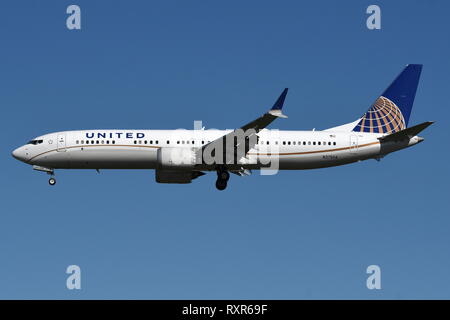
x=280, y=101
x=276, y=109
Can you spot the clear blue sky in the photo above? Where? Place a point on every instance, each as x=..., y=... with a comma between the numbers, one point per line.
x=164, y=64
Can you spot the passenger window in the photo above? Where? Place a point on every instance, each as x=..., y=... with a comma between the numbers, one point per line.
x=318, y=143
x=77, y=142
x=103, y=142
x=334, y=143
x=314, y=143
x=113, y=142
x=107, y=141
x=267, y=142
x=98, y=142
x=135, y=142
x=284, y=142
x=168, y=141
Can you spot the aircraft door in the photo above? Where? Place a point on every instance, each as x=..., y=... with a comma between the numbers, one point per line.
x=61, y=143
x=353, y=143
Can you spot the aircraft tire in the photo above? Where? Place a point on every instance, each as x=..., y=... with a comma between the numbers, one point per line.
x=52, y=181
x=221, y=184
x=223, y=175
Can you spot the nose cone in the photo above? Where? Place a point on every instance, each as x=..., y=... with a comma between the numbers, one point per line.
x=20, y=154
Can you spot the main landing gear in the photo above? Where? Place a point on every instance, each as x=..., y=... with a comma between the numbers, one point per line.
x=222, y=179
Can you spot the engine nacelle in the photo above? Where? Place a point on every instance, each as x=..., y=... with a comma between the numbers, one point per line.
x=168, y=176
x=176, y=158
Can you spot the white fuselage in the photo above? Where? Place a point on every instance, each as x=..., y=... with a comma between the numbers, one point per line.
x=138, y=149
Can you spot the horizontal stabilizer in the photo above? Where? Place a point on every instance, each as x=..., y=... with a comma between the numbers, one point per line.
x=407, y=133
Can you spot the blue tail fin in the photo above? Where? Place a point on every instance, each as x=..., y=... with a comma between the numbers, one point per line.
x=390, y=113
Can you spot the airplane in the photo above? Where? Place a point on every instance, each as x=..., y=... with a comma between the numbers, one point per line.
x=180, y=156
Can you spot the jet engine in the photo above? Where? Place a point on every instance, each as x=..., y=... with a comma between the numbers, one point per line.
x=168, y=176
x=176, y=158
x=175, y=165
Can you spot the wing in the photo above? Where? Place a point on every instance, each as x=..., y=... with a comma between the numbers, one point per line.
x=247, y=133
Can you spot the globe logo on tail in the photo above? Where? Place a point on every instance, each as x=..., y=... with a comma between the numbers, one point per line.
x=383, y=117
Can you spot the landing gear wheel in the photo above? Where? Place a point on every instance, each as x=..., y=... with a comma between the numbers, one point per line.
x=223, y=175
x=52, y=181
x=221, y=184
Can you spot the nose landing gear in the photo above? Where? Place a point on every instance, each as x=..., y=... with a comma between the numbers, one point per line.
x=50, y=171
x=222, y=178
x=52, y=181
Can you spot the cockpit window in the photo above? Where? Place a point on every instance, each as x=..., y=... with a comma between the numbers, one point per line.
x=35, y=142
